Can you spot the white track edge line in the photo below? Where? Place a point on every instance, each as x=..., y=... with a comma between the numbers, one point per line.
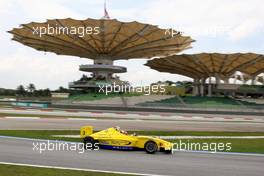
x=76, y=169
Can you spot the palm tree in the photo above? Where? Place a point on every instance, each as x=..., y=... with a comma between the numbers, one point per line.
x=31, y=88
x=20, y=90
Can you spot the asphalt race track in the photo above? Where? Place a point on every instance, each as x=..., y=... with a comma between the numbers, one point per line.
x=14, y=150
x=62, y=119
x=180, y=163
x=75, y=124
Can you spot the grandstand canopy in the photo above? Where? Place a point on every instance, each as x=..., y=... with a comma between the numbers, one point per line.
x=206, y=65
x=261, y=79
x=115, y=39
x=246, y=78
x=242, y=77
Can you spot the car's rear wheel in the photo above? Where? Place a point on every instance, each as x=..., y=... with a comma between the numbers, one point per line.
x=89, y=143
x=151, y=147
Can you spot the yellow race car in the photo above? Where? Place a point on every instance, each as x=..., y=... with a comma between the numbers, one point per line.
x=117, y=139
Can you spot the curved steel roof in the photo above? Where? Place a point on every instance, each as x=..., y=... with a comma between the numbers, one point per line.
x=247, y=78
x=205, y=65
x=116, y=40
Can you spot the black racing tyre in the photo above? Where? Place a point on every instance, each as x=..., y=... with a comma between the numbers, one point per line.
x=150, y=147
x=89, y=143
x=168, y=151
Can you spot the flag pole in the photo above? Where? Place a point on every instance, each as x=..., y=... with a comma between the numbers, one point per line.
x=106, y=15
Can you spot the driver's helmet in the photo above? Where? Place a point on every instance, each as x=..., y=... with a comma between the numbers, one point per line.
x=123, y=132
x=117, y=128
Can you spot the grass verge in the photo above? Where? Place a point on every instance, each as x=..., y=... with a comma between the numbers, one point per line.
x=99, y=96
x=13, y=170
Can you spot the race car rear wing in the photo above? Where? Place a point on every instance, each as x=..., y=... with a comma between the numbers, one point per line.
x=86, y=131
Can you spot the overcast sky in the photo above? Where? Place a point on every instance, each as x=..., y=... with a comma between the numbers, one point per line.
x=216, y=25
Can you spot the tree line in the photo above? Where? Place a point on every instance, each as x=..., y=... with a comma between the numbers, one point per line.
x=31, y=90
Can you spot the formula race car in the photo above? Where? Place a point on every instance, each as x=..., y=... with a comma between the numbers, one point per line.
x=117, y=139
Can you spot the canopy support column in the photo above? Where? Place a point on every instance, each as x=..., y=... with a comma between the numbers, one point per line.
x=195, y=87
x=253, y=81
x=210, y=87
x=202, y=83
x=235, y=79
x=226, y=80
x=217, y=82
x=243, y=79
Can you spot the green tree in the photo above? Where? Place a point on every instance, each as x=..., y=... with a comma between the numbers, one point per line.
x=20, y=90
x=62, y=90
x=31, y=88
x=169, y=82
x=47, y=92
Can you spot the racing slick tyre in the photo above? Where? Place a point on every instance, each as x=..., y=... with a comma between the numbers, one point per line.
x=151, y=147
x=89, y=143
x=168, y=151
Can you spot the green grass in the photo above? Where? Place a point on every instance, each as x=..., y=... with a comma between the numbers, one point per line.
x=210, y=101
x=173, y=100
x=252, y=88
x=197, y=133
x=204, y=102
x=13, y=170
x=42, y=134
x=6, y=96
x=5, y=106
x=238, y=145
x=99, y=96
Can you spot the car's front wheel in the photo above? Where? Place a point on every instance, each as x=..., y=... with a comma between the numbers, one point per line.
x=151, y=147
